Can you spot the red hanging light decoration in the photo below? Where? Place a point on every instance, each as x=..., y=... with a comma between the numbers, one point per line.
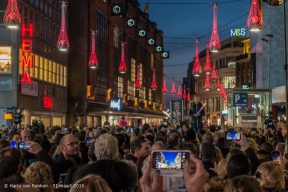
x=164, y=88
x=154, y=84
x=255, y=19
x=173, y=91
x=184, y=95
x=214, y=75
x=63, y=42
x=179, y=90
x=214, y=43
x=197, y=66
x=122, y=67
x=93, y=61
x=208, y=67
x=188, y=95
x=218, y=84
x=12, y=17
x=207, y=85
x=138, y=80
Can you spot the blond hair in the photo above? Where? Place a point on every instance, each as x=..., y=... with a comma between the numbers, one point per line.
x=106, y=147
x=91, y=183
x=218, y=155
x=270, y=175
x=221, y=171
x=253, y=145
x=40, y=173
x=215, y=184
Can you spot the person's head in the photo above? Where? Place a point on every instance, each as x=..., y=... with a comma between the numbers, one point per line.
x=218, y=157
x=173, y=140
x=209, y=137
x=221, y=170
x=263, y=156
x=26, y=135
x=207, y=152
x=253, y=131
x=191, y=135
x=69, y=145
x=280, y=147
x=91, y=182
x=253, y=145
x=16, y=180
x=268, y=147
x=146, y=127
x=212, y=128
x=40, y=173
x=10, y=161
x=270, y=176
x=196, y=99
x=215, y=184
x=140, y=148
x=15, y=136
x=243, y=183
x=238, y=164
x=106, y=147
x=234, y=151
x=81, y=135
x=54, y=131
x=158, y=145
x=192, y=147
x=120, y=140
x=4, y=143
x=185, y=127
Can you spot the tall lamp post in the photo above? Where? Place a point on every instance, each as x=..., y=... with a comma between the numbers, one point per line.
x=269, y=64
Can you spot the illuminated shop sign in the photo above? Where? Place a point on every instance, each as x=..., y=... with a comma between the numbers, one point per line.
x=116, y=103
x=26, y=61
x=238, y=32
x=47, y=102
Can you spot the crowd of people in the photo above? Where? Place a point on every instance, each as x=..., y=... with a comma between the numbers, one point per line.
x=86, y=159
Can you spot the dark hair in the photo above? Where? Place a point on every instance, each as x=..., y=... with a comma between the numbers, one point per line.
x=9, y=164
x=212, y=128
x=136, y=144
x=160, y=139
x=208, y=151
x=11, y=135
x=15, y=179
x=238, y=164
x=146, y=127
x=121, y=139
x=54, y=129
x=46, y=145
x=173, y=139
x=81, y=135
x=243, y=183
x=268, y=147
x=191, y=147
x=137, y=131
x=4, y=143
x=120, y=175
x=58, y=138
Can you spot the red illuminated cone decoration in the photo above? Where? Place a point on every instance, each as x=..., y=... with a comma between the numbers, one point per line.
x=197, y=66
x=214, y=43
x=188, y=95
x=154, y=84
x=179, y=90
x=164, y=88
x=184, y=95
x=214, y=75
x=122, y=67
x=218, y=84
x=93, y=61
x=255, y=19
x=12, y=17
x=138, y=80
x=207, y=85
x=63, y=42
x=173, y=91
x=207, y=67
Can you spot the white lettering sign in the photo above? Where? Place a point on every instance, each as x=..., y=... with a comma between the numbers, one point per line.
x=238, y=32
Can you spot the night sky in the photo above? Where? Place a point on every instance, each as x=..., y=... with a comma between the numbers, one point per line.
x=184, y=20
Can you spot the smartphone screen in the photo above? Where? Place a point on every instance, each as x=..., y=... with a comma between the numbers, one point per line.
x=88, y=141
x=169, y=159
x=178, y=129
x=14, y=144
x=232, y=135
x=62, y=178
x=275, y=156
x=62, y=132
x=131, y=130
x=65, y=129
x=23, y=146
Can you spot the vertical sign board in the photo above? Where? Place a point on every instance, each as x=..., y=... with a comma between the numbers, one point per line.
x=240, y=99
x=176, y=108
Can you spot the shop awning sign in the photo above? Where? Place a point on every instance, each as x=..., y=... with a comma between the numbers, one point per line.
x=116, y=103
x=240, y=99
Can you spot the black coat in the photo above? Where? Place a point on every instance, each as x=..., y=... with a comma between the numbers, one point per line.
x=63, y=165
x=196, y=121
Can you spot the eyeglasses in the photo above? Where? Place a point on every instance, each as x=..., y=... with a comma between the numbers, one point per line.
x=72, y=144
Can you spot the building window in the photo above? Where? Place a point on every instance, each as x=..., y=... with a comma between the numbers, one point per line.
x=152, y=60
x=142, y=95
x=120, y=87
x=133, y=70
x=131, y=91
x=150, y=97
x=5, y=59
x=102, y=53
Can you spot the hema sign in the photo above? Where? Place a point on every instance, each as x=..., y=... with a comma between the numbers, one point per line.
x=238, y=32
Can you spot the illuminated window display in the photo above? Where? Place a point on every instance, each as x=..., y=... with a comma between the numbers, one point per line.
x=5, y=59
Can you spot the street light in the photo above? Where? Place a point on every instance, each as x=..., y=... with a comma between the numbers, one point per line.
x=263, y=39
